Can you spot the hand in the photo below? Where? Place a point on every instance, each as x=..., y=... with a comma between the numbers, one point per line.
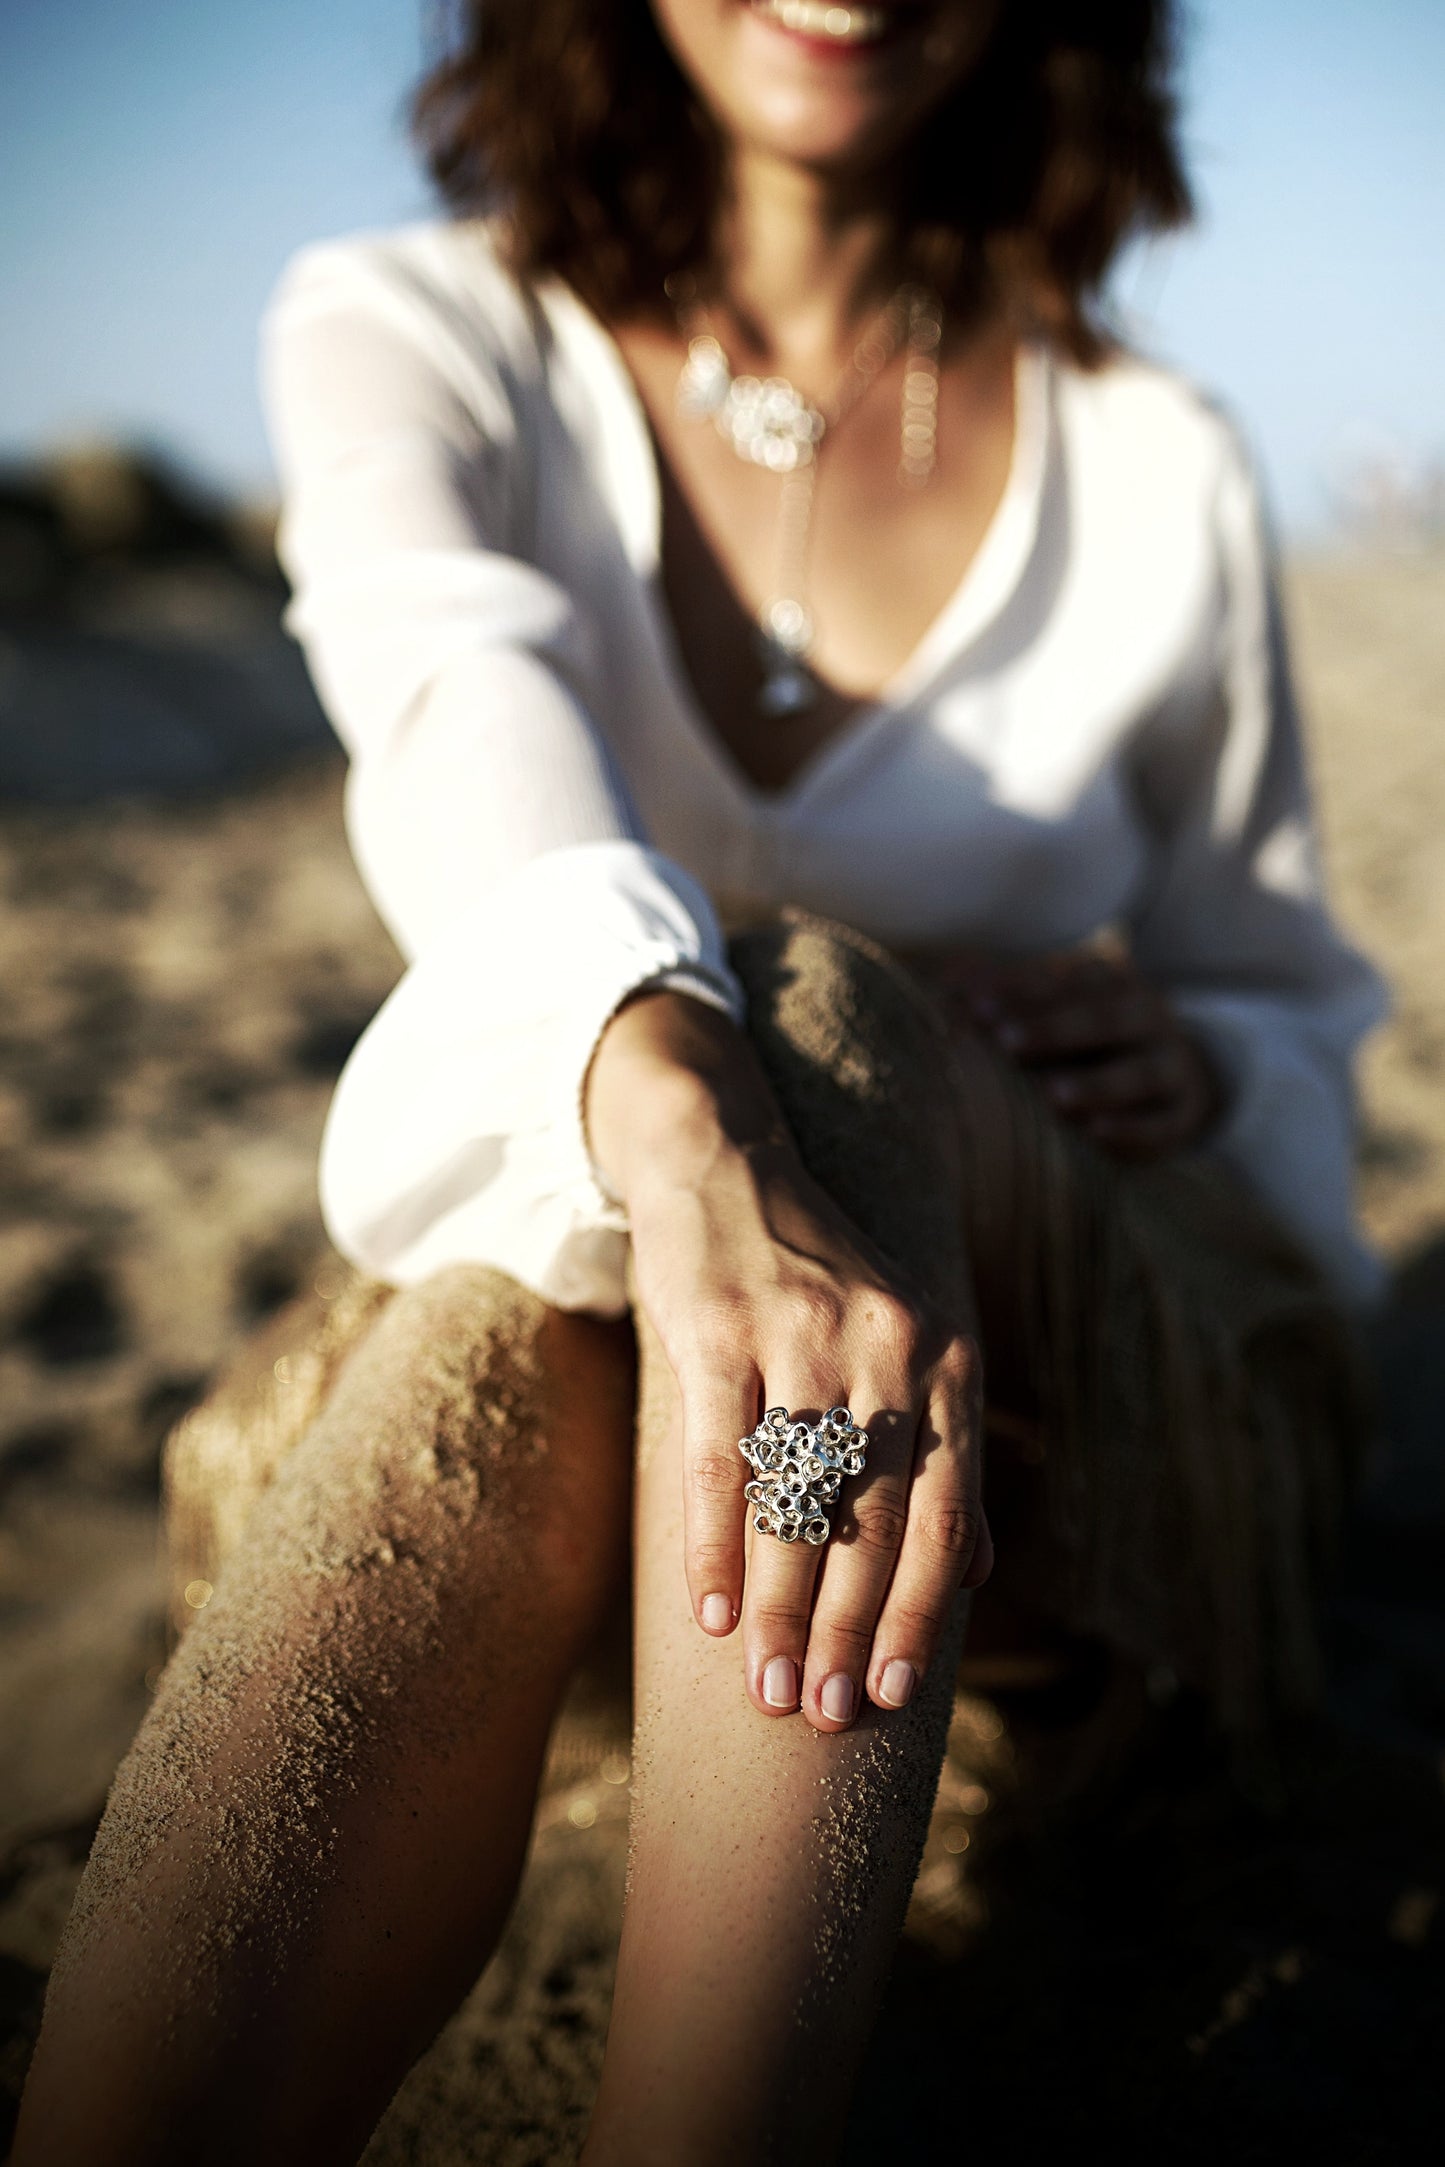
x=762, y=1294
x=1105, y=1046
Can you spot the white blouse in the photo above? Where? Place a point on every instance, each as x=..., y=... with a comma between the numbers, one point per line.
x=1098, y=729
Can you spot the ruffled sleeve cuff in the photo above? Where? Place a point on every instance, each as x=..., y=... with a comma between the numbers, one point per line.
x=455, y=1135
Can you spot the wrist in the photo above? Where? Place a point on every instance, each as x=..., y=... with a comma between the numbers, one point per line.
x=673, y=1085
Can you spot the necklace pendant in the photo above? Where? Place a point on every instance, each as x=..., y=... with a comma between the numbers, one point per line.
x=786, y=689
x=765, y=419
x=784, y=637
x=768, y=423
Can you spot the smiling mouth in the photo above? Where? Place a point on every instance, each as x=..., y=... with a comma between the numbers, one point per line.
x=824, y=23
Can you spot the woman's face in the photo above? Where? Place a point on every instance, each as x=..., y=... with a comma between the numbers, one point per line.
x=835, y=87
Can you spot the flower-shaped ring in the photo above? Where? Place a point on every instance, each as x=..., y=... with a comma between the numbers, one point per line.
x=798, y=1470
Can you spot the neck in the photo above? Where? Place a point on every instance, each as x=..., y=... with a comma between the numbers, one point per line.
x=801, y=264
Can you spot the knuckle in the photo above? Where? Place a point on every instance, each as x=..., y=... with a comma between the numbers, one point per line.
x=960, y=1367
x=915, y=1624
x=710, y=1554
x=712, y=1473
x=840, y=1643
x=778, y=1623
x=950, y=1529
x=811, y=1315
x=897, y=1330
x=962, y=1359
x=879, y=1523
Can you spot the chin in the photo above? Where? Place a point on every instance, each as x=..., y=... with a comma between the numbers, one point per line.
x=831, y=86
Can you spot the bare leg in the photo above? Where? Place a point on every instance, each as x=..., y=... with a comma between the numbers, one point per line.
x=771, y=1868
x=312, y=1847
x=771, y=1863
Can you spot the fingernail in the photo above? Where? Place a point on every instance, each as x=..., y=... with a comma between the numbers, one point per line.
x=837, y=1697
x=717, y=1613
x=780, y=1683
x=897, y=1683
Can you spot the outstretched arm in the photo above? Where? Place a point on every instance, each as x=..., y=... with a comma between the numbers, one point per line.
x=486, y=812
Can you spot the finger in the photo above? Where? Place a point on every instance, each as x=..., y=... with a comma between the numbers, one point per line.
x=1074, y=973
x=716, y=1412
x=1118, y=1019
x=777, y=1608
x=963, y=972
x=778, y=1594
x=1152, y=1078
x=981, y=1564
x=946, y=1545
x=859, y=1560
x=1043, y=982
x=1141, y=1135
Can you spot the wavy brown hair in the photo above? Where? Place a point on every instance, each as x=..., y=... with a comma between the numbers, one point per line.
x=572, y=118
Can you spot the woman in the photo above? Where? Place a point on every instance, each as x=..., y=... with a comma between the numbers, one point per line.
x=960, y=634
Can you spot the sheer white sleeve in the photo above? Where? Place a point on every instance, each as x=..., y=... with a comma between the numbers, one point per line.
x=487, y=817
x=1235, y=925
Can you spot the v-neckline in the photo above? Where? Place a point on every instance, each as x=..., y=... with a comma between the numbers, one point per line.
x=988, y=579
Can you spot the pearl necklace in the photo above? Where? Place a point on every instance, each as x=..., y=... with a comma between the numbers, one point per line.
x=770, y=423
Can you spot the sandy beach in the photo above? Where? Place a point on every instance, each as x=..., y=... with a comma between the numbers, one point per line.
x=1207, y=1974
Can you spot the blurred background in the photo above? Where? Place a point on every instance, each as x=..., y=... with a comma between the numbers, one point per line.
x=187, y=959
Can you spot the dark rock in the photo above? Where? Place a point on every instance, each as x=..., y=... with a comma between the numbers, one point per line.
x=141, y=648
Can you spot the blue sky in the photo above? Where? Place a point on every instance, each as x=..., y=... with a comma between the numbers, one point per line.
x=160, y=158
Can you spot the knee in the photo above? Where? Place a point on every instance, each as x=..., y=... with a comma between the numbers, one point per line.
x=862, y=1067
x=479, y=1433
x=532, y=1403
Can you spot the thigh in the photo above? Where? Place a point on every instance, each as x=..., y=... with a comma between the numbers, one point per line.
x=468, y=1462
x=922, y=1133
x=430, y=1415
x=1176, y=1402
x=315, y=1837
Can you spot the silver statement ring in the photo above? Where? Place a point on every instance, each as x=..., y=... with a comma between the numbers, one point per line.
x=798, y=1470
